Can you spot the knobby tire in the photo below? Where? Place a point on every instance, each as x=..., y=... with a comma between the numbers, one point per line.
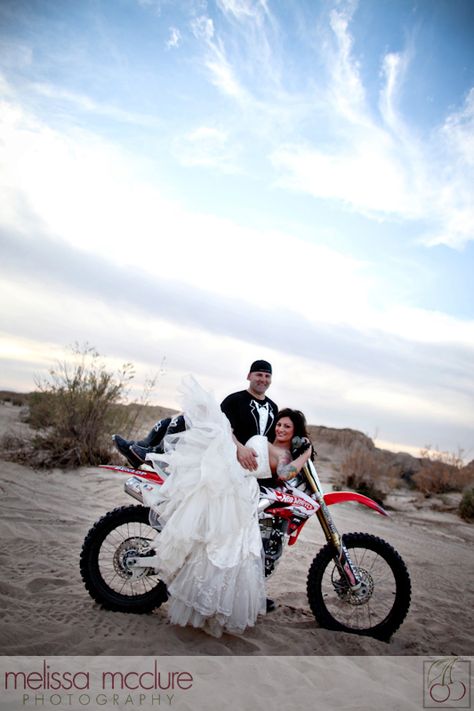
x=111, y=532
x=390, y=594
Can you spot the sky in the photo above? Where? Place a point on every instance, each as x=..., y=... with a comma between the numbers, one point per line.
x=191, y=185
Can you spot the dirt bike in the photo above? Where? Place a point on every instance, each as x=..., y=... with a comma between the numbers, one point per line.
x=356, y=583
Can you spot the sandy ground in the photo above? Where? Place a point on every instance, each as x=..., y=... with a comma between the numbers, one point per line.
x=46, y=610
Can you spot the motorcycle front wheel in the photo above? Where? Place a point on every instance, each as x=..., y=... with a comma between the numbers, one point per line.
x=381, y=604
x=106, y=562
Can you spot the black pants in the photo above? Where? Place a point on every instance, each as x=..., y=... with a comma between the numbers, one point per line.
x=167, y=426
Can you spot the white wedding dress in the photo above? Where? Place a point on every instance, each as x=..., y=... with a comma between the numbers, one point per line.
x=210, y=548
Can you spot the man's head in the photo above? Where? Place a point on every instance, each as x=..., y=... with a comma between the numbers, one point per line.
x=260, y=378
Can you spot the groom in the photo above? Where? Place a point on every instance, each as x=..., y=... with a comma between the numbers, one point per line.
x=249, y=412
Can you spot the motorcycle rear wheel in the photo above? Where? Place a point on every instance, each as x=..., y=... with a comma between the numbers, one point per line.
x=118, y=536
x=382, y=603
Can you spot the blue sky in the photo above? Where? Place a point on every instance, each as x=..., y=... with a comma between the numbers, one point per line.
x=191, y=185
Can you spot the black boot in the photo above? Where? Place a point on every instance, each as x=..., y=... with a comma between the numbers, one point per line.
x=270, y=604
x=123, y=446
x=155, y=435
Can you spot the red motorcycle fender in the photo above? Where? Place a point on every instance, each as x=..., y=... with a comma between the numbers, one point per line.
x=338, y=497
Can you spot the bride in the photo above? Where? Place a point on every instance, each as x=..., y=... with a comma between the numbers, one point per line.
x=210, y=549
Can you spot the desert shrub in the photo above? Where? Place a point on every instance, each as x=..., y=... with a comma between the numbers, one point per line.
x=362, y=471
x=441, y=472
x=16, y=448
x=466, y=505
x=18, y=399
x=75, y=410
x=40, y=413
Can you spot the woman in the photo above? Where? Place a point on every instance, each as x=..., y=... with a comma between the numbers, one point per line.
x=209, y=548
x=287, y=456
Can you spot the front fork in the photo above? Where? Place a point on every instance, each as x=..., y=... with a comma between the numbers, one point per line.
x=346, y=567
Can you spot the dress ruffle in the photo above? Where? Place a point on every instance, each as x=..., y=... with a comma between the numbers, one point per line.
x=209, y=548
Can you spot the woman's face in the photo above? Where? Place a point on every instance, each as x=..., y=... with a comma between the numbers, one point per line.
x=284, y=431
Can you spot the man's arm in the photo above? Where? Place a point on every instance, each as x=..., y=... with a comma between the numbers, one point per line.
x=246, y=456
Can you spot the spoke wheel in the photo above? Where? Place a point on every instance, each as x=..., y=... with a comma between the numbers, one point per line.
x=381, y=604
x=107, y=567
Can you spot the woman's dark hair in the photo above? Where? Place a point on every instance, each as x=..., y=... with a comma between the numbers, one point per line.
x=298, y=420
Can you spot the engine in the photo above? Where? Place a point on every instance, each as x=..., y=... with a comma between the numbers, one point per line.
x=273, y=531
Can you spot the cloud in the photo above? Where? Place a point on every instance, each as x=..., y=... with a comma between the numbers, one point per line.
x=208, y=146
x=174, y=39
x=347, y=93
x=223, y=75
x=87, y=104
x=244, y=10
x=95, y=241
x=377, y=165
x=239, y=54
x=363, y=177
x=453, y=199
x=220, y=70
x=203, y=28
x=105, y=203
x=379, y=363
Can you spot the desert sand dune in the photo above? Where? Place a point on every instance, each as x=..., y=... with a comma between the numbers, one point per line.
x=47, y=611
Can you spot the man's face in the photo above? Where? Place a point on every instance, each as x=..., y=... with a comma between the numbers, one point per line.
x=259, y=383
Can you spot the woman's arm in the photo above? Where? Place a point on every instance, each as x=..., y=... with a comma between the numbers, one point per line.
x=285, y=467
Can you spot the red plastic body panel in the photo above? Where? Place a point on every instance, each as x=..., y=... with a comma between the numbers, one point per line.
x=142, y=473
x=338, y=497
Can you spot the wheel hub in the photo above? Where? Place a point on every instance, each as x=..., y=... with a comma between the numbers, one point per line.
x=125, y=555
x=356, y=597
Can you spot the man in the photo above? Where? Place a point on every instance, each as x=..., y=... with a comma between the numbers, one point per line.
x=249, y=412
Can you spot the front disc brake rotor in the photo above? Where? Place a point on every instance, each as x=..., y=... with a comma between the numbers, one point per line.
x=355, y=597
x=124, y=557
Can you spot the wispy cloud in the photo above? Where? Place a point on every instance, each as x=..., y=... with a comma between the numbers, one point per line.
x=220, y=70
x=381, y=167
x=454, y=202
x=244, y=10
x=85, y=103
x=175, y=38
x=368, y=158
x=208, y=146
x=235, y=48
x=106, y=199
x=346, y=92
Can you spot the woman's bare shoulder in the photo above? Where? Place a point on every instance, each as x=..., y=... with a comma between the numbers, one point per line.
x=279, y=455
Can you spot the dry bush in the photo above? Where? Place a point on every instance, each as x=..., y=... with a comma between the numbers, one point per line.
x=466, y=505
x=18, y=399
x=75, y=412
x=363, y=471
x=442, y=472
x=40, y=413
x=16, y=448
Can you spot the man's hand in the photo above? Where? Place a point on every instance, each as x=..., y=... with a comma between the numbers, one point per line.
x=247, y=457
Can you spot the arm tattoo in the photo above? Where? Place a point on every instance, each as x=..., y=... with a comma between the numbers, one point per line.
x=286, y=471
